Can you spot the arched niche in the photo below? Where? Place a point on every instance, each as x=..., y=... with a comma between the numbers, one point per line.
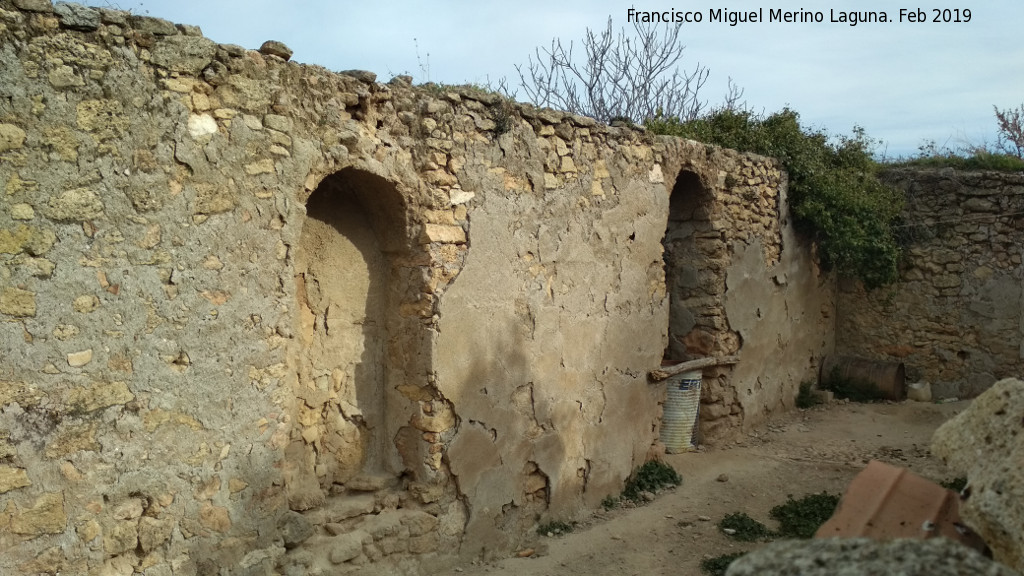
x=691, y=269
x=347, y=290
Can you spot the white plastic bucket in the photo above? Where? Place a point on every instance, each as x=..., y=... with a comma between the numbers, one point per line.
x=679, y=418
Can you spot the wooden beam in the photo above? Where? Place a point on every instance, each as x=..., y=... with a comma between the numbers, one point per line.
x=667, y=371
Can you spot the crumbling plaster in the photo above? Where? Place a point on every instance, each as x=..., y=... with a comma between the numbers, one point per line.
x=187, y=384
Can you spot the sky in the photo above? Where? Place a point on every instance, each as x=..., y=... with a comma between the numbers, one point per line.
x=906, y=83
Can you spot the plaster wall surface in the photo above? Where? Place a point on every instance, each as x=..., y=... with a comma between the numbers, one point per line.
x=263, y=318
x=955, y=318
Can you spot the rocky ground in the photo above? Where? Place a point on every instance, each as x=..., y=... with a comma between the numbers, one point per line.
x=803, y=452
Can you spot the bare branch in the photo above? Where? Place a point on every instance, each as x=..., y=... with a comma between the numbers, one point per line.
x=633, y=77
x=1010, y=139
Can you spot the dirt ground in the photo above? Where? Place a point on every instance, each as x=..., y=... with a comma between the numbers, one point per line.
x=799, y=453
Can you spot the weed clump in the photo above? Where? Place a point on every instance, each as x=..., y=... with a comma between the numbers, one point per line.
x=744, y=528
x=555, y=528
x=719, y=564
x=853, y=389
x=955, y=484
x=797, y=519
x=650, y=477
x=806, y=398
x=802, y=518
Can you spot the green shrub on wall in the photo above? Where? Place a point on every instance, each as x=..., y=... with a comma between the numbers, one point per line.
x=834, y=192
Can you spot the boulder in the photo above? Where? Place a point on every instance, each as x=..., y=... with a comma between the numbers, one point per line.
x=865, y=557
x=275, y=48
x=985, y=442
x=77, y=17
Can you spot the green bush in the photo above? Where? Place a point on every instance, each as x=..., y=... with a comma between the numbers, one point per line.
x=834, y=191
x=980, y=161
x=968, y=158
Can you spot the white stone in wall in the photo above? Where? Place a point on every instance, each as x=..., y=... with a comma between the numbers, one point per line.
x=200, y=125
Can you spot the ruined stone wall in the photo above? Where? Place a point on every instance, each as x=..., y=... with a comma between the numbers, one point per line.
x=741, y=282
x=262, y=317
x=956, y=316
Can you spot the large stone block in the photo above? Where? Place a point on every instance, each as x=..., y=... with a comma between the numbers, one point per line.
x=12, y=478
x=17, y=302
x=77, y=17
x=153, y=532
x=864, y=557
x=348, y=546
x=188, y=54
x=986, y=442
x=11, y=137
x=32, y=239
x=99, y=395
x=75, y=205
x=34, y=5
x=441, y=233
x=120, y=537
x=46, y=516
x=215, y=518
x=295, y=529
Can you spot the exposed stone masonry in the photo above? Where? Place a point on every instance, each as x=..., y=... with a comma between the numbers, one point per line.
x=715, y=208
x=956, y=316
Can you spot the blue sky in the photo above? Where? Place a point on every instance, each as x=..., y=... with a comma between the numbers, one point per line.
x=905, y=83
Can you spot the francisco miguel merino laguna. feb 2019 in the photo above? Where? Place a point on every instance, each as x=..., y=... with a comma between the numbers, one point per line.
x=777, y=15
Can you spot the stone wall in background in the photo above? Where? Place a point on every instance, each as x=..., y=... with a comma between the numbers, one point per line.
x=956, y=316
x=263, y=317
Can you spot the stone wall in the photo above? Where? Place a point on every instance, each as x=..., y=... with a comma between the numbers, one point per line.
x=262, y=318
x=741, y=281
x=956, y=316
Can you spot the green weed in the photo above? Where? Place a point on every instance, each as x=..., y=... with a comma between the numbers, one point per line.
x=609, y=502
x=745, y=528
x=650, y=477
x=955, y=484
x=719, y=564
x=802, y=518
x=806, y=397
x=556, y=528
x=797, y=519
x=853, y=389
